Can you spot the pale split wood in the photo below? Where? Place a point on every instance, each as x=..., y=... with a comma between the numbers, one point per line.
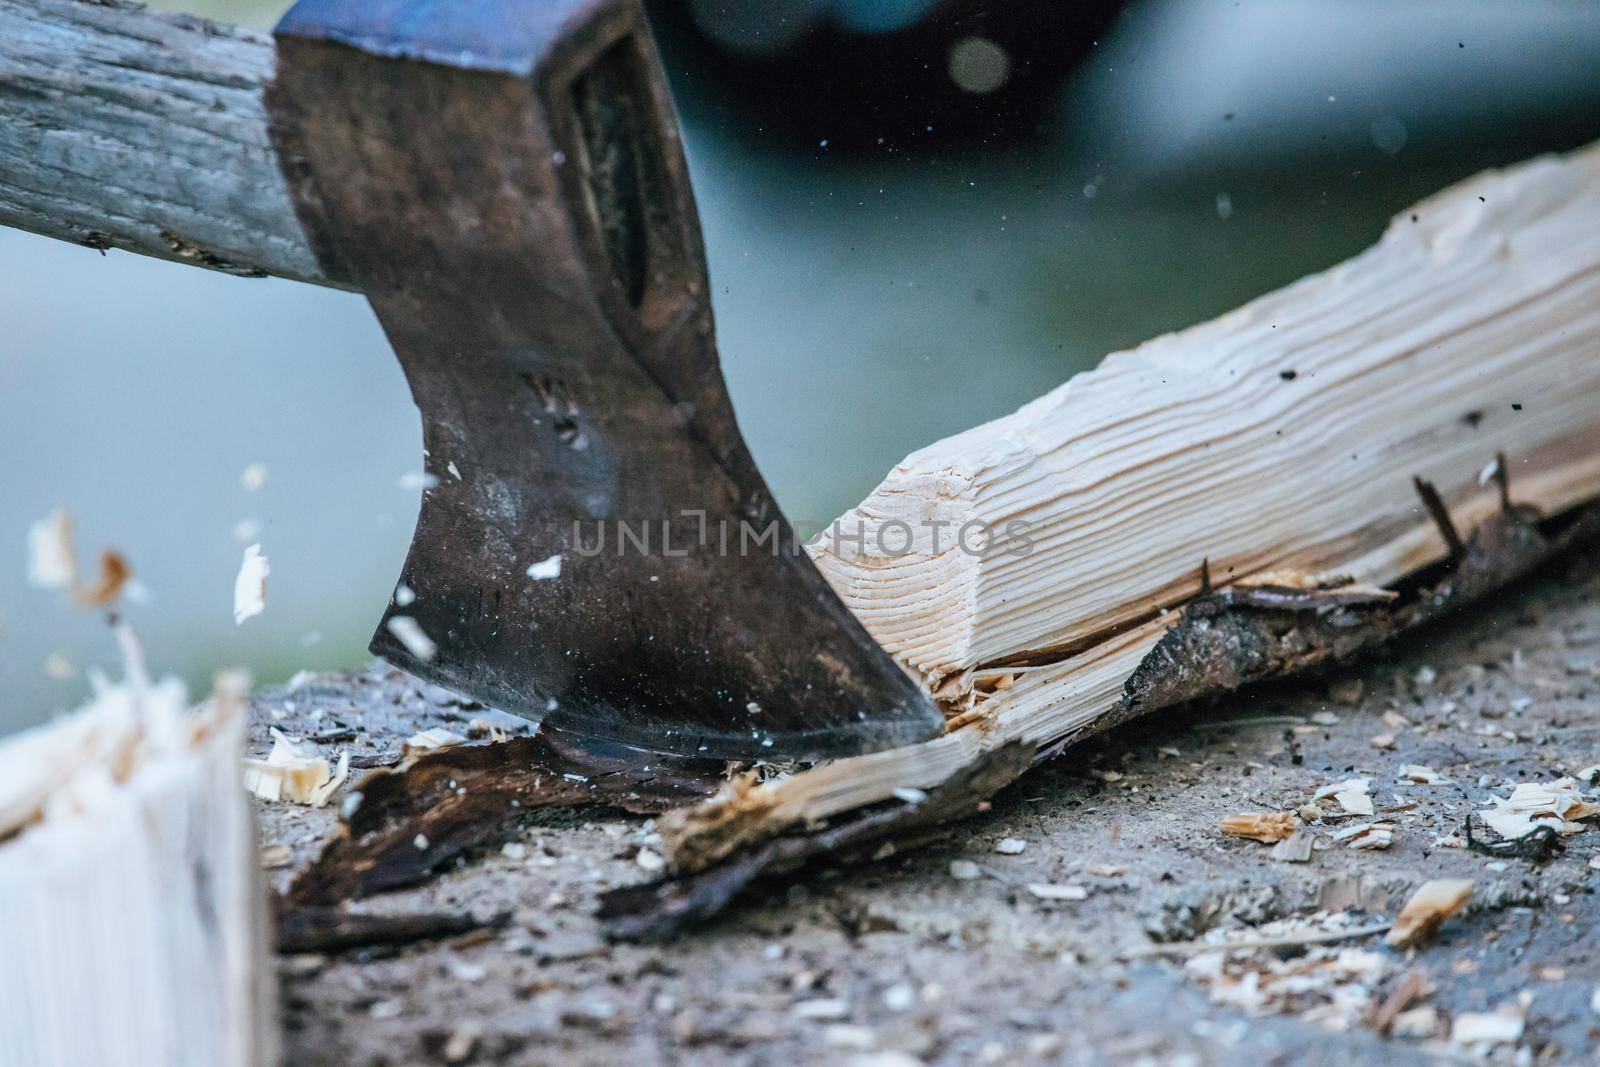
x=132, y=912
x=1283, y=436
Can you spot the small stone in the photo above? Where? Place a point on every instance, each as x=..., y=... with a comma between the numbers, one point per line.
x=1325, y=718
x=463, y=971
x=1010, y=846
x=964, y=870
x=386, y=1009
x=1416, y=1023
x=902, y=997
x=1051, y=891
x=420, y=842
x=650, y=861
x=822, y=1008
x=846, y=1036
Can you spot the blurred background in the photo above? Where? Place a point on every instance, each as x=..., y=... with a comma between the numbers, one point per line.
x=919, y=214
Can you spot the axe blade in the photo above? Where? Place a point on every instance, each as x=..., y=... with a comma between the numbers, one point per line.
x=596, y=549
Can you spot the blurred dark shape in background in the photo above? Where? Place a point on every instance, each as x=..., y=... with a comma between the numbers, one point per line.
x=905, y=75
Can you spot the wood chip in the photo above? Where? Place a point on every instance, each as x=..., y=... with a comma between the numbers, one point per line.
x=427, y=740
x=1296, y=848
x=1558, y=805
x=1267, y=827
x=52, y=561
x=294, y=775
x=250, y=586
x=545, y=569
x=1418, y=774
x=1351, y=795
x=409, y=632
x=1366, y=835
x=1426, y=911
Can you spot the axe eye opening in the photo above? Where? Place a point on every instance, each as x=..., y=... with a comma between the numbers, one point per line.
x=623, y=176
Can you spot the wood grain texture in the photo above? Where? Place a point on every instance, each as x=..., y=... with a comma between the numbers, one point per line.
x=132, y=911
x=121, y=128
x=1471, y=328
x=1283, y=435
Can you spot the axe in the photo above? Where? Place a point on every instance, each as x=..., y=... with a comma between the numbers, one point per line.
x=596, y=550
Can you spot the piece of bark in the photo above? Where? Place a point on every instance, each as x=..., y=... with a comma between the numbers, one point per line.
x=402, y=823
x=320, y=929
x=124, y=128
x=132, y=912
x=1283, y=439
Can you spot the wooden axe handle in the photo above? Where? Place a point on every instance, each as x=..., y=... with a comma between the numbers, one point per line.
x=122, y=128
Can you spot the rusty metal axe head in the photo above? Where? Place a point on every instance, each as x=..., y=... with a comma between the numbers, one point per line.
x=596, y=549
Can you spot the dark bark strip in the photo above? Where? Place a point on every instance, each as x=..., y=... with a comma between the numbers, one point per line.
x=412, y=819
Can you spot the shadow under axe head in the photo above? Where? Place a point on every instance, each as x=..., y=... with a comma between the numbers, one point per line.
x=596, y=549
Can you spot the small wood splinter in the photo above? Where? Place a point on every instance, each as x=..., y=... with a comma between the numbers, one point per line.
x=1441, y=518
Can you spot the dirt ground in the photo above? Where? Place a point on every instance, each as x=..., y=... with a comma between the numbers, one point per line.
x=902, y=963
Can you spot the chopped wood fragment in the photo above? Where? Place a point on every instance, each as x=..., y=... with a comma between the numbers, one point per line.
x=410, y=634
x=1267, y=827
x=1351, y=796
x=1419, y=774
x=114, y=575
x=426, y=740
x=52, y=560
x=292, y=774
x=1559, y=806
x=545, y=569
x=1366, y=835
x=1427, y=910
x=1296, y=848
x=250, y=586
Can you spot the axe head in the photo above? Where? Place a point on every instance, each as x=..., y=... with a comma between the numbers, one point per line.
x=504, y=181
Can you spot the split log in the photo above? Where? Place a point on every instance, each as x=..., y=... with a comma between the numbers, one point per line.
x=1274, y=451
x=132, y=912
